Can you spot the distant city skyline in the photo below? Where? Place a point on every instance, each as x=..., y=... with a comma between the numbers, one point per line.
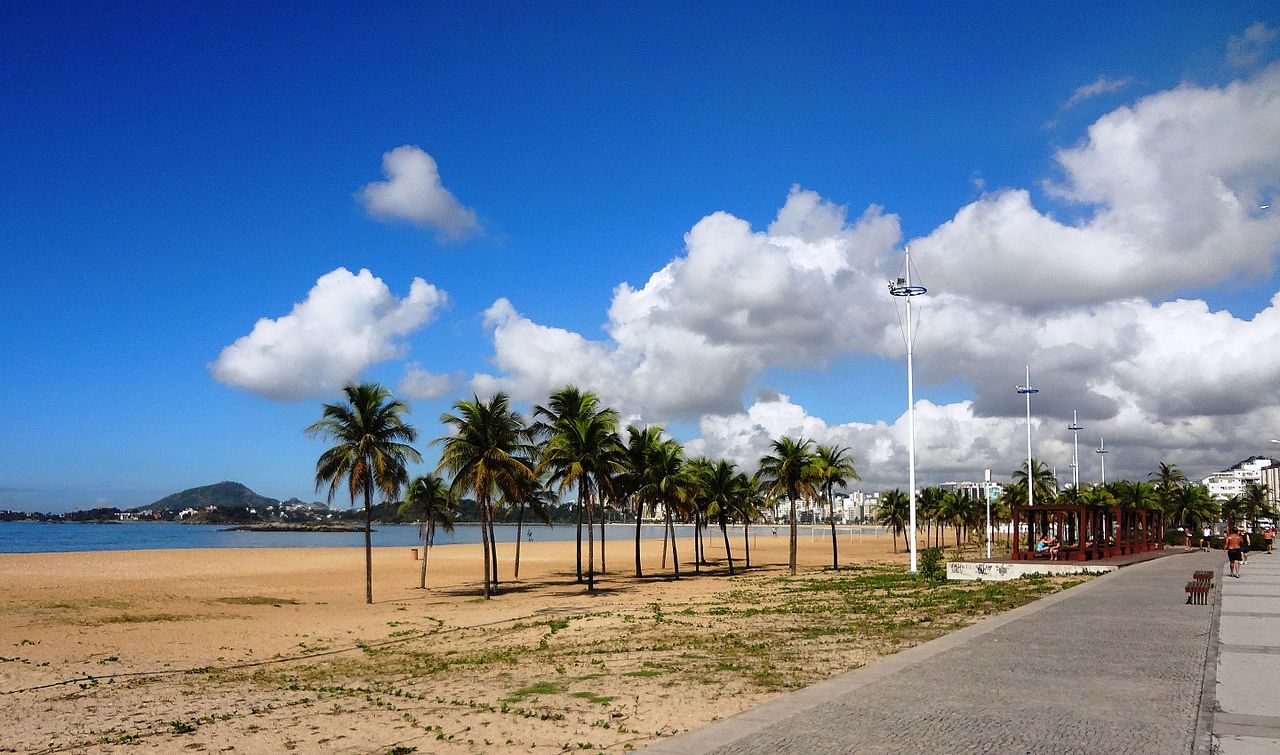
x=215, y=217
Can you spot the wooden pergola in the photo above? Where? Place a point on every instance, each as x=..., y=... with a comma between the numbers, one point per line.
x=1086, y=533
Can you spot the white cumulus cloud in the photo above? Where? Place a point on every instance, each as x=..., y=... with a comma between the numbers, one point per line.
x=413, y=192
x=1250, y=46
x=418, y=383
x=347, y=323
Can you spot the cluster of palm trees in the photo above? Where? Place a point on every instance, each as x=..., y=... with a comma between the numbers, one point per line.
x=572, y=444
x=1184, y=503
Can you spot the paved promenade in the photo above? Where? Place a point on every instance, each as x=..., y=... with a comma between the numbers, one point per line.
x=1246, y=717
x=1114, y=666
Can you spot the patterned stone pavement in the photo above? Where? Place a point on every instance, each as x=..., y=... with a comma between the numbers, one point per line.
x=1246, y=717
x=1113, y=666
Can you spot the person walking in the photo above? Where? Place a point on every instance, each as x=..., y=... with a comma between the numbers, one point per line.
x=1231, y=544
x=1270, y=536
x=1245, y=538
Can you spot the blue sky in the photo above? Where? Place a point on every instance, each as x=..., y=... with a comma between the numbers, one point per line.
x=172, y=176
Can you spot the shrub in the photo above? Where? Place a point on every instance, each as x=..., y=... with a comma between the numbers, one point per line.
x=931, y=566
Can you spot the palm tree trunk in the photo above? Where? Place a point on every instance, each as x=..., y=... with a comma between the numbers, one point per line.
x=792, y=496
x=591, y=548
x=639, y=516
x=746, y=539
x=603, y=512
x=484, y=538
x=431, y=540
x=835, y=549
x=666, y=529
x=724, y=531
x=368, y=541
x=493, y=550
x=579, y=542
x=422, y=575
x=675, y=555
x=519, y=532
x=697, y=541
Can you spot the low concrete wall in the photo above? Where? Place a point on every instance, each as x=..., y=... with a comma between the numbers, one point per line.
x=1000, y=572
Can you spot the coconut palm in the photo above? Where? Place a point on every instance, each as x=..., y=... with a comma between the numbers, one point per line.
x=1169, y=479
x=370, y=452
x=538, y=500
x=895, y=513
x=666, y=483
x=721, y=488
x=488, y=453
x=697, y=471
x=584, y=451
x=789, y=469
x=832, y=466
x=563, y=407
x=428, y=500
x=748, y=502
x=641, y=447
x=1045, y=484
x=929, y=507
x=1191, y=506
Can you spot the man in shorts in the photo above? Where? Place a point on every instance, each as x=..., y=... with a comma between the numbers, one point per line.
x=1231, y=544
x=1270, y=535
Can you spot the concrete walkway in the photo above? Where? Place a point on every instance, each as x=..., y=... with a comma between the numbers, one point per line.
x=1115, y=665
x=1246, y=716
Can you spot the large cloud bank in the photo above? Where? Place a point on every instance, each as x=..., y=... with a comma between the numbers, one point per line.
x=1163, y=195
x=347, y=323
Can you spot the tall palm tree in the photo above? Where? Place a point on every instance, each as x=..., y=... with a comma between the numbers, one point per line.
x=832, y=465
x=1191, y=506
x=641, y=448
x=370, y=452
x=667, y=483
x=789, y=469
x=488, y=453
x=1045, y=483
x=697, y=471
x=721, y=488
x=895, y=513
x=748, y=502
x=1255, y=499
x=1169, y=479
x=584, y=451
x=929, y=503
x=562, y=408
x=428, y=500
x=538, y=500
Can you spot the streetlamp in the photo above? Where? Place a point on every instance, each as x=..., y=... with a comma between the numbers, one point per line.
x=1102, y=451
x=904, y=288
x=1075, y=429
x=1027, y=390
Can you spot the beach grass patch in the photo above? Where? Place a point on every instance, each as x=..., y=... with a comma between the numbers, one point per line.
x=257, y=600
x=539, y=688
x=592, y=697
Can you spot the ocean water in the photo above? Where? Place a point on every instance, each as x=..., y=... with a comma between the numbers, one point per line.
x=50, y=537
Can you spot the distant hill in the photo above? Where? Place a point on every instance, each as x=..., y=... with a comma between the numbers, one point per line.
x=222, y=494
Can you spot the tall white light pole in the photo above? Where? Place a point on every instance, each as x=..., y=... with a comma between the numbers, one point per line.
x=1075, y=429
x=1102, y=454
x=1027, y=390
x=904, y=288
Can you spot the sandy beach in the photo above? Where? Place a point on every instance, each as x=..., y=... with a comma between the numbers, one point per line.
x=264, y=650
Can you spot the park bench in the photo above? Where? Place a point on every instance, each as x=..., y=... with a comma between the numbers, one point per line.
x=1198, y=588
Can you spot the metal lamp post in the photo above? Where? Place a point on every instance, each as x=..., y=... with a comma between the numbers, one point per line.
x=1075, y=428
x=1102, y=454
x=904, y=288
x=1027, y=390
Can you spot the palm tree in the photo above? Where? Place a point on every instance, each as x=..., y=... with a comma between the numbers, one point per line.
x=721, y=487
x=1045, y=483
x=429, y=500
x=895, y=513
x=1169, y=479
x=667, y=483
x=538, y=499
x=370, y=452
x=748, y=501
x=1191, y=506
x=832, y=465
x=929, y=502
x=641, y=448
x=697, y=470
x=789, y=469
x=564, y=406
x=585, y=451
x=488, y=452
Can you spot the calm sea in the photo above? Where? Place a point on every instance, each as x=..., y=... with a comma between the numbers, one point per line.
x=47, y=537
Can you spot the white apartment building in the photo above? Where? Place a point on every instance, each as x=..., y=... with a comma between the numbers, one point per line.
x=1229, y=482
x=1270, y=476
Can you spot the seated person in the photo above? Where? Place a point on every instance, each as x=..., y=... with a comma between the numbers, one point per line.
x=1054, y=546
x=1042, y=547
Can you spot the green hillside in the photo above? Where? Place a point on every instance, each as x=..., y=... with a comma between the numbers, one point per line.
x=222, y=494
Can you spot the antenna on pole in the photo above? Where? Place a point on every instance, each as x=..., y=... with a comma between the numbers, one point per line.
x=1075, y=428
x=1102, y=451
x=1027, y=390
x=904, y=288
